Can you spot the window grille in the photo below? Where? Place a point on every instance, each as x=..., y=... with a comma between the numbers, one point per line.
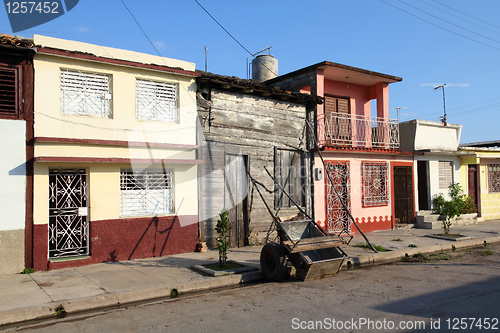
x=8, y=90
x=494, y=178
x=156, y=101
x=85, y=94
x=375, y=179
x=149, y=192
x=445, y=174
x=289, y=173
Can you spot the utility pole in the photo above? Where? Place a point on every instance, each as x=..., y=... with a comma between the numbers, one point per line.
x=206, y=63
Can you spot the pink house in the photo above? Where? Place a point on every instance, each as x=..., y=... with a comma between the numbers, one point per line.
x=360, y=146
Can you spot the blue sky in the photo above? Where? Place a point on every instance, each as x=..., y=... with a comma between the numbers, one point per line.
x=459, y=42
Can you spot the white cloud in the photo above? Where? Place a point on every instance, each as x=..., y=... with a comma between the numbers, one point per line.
x=159, y=45
x=82, y=29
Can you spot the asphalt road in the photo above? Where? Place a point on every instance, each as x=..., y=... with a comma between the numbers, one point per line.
x=461, y=294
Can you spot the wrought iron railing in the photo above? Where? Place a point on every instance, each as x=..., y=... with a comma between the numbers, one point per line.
x=343, y=130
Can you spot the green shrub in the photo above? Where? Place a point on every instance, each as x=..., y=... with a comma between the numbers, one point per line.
x=28, y=271
x=460, y=203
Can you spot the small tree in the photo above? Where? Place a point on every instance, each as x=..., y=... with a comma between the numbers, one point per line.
x=222, y=229
x=460, y=203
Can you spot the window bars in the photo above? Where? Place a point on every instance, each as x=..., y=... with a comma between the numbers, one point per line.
x=493, y=178
x=85, y=94
x=156, y=101
x=375, y=179
x=146, y=193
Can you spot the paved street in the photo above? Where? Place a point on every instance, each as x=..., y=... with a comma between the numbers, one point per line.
x=408, y=294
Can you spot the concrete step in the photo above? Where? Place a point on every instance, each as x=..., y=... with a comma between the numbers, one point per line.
x=434, y=221
x=430, y=225
x=424, y=212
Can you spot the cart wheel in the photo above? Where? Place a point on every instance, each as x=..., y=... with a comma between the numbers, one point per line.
x=273, y=262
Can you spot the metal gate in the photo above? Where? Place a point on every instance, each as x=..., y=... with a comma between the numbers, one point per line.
x=68, y=210
x=403, y=195
x=337, y=219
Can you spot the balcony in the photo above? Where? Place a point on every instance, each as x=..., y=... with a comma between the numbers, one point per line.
x=354, y=131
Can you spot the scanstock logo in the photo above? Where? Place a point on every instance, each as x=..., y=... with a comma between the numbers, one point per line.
x=28, y=14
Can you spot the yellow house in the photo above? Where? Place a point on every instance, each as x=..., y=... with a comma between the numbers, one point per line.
x=115, y=168
x=481, y=173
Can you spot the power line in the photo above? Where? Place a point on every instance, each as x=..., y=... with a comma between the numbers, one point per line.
x=442, y=4
x=466, y=112
x=453, y=24
x=220, y=25
x=152, y=44
x=460, y=18
x=438, y=26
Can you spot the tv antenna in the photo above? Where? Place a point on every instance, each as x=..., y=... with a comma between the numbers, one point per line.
x=399, y=108
x=441, y=86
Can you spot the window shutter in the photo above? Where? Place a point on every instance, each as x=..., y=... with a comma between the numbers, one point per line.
x=8, y=90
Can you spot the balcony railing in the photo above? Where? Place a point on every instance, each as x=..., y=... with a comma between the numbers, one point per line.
x=343, y=130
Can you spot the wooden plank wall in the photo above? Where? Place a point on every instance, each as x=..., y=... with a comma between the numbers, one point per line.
x=236, y=123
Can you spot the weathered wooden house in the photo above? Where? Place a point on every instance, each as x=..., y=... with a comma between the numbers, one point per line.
x=246, y=128
x=16, y=131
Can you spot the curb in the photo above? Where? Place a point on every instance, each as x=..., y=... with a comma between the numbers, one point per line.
x=394, y=256
x=117, y=300
x=108, y=301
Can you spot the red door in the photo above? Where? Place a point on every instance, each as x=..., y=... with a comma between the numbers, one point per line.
x=473, y=186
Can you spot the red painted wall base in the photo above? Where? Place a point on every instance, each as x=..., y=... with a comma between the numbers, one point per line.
x=124, y=239
x=370, y=224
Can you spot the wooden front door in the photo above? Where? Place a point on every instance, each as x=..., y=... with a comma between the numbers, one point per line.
x=337, y=119
x=337, y=218
x=235, y=198
x=404, y=212
x=473, y=185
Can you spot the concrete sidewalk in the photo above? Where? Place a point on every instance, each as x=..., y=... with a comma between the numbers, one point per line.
x=26, y=297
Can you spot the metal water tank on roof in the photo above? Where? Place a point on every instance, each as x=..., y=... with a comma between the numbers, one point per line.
x=264, y=67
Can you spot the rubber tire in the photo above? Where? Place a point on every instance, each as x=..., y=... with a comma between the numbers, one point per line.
x=273, y=262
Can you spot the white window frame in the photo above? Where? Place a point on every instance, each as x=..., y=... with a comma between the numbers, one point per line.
x=156, y=100
x=147, y=193
x=85, y=94
x=445, y=179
